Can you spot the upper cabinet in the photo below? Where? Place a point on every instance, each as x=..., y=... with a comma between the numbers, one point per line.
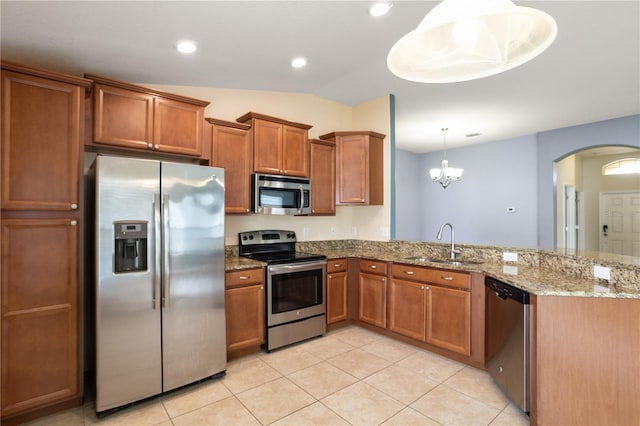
x=359, y=167
x=41, y=128
x=130, y=116
x=323, y=177
x=280, y=147
x=232, y=149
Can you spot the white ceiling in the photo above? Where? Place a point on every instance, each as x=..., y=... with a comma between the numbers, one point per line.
x=590, y=73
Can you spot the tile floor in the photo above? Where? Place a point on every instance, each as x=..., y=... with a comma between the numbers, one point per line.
x=351, y=376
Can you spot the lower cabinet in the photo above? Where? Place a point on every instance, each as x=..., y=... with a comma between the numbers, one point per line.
x=337, y=290
x=41, y=314
x=245, y=303
x=431, y=305
x=372, y=291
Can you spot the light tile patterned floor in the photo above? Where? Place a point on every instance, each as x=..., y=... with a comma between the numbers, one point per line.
x=351, y=376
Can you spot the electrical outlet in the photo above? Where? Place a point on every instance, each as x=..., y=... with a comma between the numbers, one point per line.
x=305, y=232
x=601, y=272
x=509, y=257
x=354, y=231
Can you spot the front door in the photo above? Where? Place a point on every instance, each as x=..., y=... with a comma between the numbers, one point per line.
x=620, y=223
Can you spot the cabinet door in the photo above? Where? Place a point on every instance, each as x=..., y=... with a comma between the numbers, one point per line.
x=407, y=308
x=177, y=127
x=353, y=172
x=245, y=316
x=373, y=299
x=40, y=143
x=323, y=179
x=40, y=347
x=449, y=319
x=122, y=117
x=337, y=297
x=267, y=154
x=295, y=151
x=231, y=150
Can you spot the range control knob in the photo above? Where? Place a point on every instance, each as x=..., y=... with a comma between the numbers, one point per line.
x=244, y=238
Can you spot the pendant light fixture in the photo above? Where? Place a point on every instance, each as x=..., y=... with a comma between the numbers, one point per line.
x=445, y=175
x=462, y=40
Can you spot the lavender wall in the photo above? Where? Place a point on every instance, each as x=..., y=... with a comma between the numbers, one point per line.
x=497, y=175
x=510, y=173
x=557, y=144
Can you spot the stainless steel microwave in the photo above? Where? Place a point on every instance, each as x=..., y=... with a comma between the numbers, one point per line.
x=273, y=194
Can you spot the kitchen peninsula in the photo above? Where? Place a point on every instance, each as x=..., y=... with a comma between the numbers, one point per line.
x=585, y=331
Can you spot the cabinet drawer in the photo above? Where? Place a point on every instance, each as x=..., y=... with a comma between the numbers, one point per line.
x=408, y=272
x=373, y=267
x=432, y=275
x=449, y=278
x=336, y=265
x=244, y=277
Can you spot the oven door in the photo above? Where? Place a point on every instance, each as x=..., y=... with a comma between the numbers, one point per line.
x=295, y=291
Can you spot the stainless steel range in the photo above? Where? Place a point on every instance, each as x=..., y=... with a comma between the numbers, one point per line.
x=296, y=287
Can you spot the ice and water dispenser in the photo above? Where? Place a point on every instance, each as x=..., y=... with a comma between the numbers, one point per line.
x=130, y=246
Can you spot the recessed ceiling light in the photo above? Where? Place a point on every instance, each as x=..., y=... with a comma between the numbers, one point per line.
x=186, y=46
x=299, y=62
x=379, y=9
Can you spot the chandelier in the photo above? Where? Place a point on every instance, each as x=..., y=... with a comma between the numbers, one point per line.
x=461, y=40
x=445, y=175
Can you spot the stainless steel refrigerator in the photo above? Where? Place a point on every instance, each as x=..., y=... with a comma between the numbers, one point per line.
x=159, y=268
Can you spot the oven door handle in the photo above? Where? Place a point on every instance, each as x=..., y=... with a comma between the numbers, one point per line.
x=302, y=266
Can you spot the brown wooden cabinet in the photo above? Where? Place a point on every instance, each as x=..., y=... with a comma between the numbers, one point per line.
x=359, y=167
x=40, y=285
x=372, y=293
x=337, y=290
x=130, y=116
x=431, y=305
x=245, y=303
x=40, y=141
x=41, y=355
x=280, y=147
x=323, y=177
x=232, y=149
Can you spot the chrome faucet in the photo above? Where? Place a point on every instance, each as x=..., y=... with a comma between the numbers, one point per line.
x=453, y=251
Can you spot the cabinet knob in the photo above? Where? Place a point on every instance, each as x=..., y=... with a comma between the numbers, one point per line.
x=362, y=200
x=156, y=146
x=261, y=287
x=73, y=222
x=384, y=279
x=337, y=265
x=447, y=278
x=74, y=206
x=248, y=210
x=426, y=287
x=243, y=277
x=408, y=272
x=150, y=145
x=422, y=287
x=373, y=266
x=330, y=276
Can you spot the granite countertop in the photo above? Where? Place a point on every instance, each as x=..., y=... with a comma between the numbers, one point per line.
x=541, y=278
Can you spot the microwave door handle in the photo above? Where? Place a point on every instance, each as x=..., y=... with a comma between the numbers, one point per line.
x=301, y=203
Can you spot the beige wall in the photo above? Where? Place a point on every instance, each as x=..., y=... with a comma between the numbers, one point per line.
x=370, y=222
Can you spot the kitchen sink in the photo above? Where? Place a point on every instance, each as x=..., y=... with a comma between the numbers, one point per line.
x=457, y=262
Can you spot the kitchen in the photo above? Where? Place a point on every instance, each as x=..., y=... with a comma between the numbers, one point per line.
x=369, y=221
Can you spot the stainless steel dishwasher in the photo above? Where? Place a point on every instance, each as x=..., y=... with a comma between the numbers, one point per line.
x=507, y=339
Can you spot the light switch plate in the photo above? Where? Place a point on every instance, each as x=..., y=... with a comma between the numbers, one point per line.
x=601, y=272
x=509, y=257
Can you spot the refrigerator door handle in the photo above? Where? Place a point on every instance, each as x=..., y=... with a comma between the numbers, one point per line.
x=166, y=245
x=157, y=251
